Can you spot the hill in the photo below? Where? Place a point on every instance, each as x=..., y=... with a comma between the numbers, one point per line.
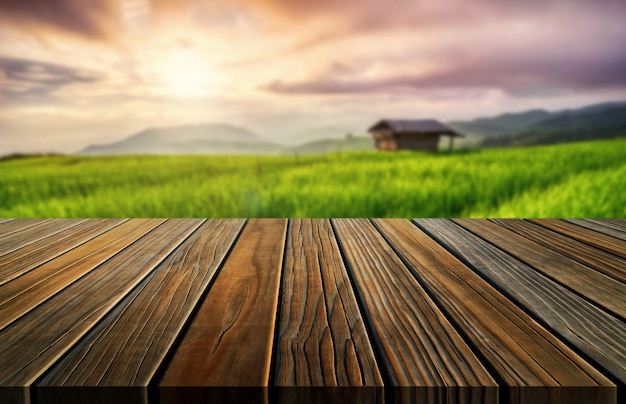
x=504, y=123
x=211, y=138
x=602, y=121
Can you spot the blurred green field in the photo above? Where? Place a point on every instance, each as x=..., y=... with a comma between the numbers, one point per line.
x=570, y=180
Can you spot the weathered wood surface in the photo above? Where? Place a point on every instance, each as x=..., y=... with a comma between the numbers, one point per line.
x=601, y=227
x=599, y=260
x=418, y=345
x=593, y=285
x=321, y=338
x=312, y=310
x=591, y=237
x=128, y=346
x=591, y=330
x=522, y=352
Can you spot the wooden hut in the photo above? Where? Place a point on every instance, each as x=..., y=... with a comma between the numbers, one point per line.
x=410, y=134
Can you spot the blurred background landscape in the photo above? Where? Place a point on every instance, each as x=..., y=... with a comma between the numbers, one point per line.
x=248, y=108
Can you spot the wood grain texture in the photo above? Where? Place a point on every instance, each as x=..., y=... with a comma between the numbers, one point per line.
x=591, y=237
x=600, y=260
x=31, y=256
x=601, y=227
x=30, y=235
x=14, y=225
x=32, y=345
x=229, y=341
x=22, y=294
x=591, y=330
x=126, y=347
x=420, y=349
x=593, y=285
x=322, y=339
x=522, y=352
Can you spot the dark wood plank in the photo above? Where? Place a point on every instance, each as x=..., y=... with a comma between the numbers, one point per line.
x=616, y=222
x=31, y=256
x=523, y=353
x=22, y=294
x=30, y=346
x=600, y=260
x=583, y=325
x=598, y=240
x=32, y=234
x=126, y=347
x=605, y=228
x=229, y=341
x=423, y=354
x=322, y=339
x=18, y=225
x=595, y=286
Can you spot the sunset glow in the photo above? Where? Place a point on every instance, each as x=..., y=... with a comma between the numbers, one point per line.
x=72, y=74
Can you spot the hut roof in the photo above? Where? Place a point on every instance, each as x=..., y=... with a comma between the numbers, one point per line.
x=414, y=125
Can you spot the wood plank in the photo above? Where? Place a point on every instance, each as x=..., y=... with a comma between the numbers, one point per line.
x=321, y=339
x=32, y=234
x=126, y=348
x=615, y=221
x=600, y=260
x=583, y=325
x=598, y=240
x=4, y=220
x=595, y=286
x=27, y=258
x=32, y=345
x=22, y=294
x=18, y=225
x=605, y=228
x=424, y=356
x=229, y=341
x=535, y=365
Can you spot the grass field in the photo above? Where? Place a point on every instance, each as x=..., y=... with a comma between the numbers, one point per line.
x=572, y=180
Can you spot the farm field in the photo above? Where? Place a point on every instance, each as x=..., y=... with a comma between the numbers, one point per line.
x=569, y=180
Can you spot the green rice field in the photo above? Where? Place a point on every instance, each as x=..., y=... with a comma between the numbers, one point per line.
x=570, y=180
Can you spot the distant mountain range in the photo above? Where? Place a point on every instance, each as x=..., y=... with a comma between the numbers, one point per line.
x=534, y=127
x=211, y=138
x=527, y=128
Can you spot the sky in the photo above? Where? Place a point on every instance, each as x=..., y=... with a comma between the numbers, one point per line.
x=75, y=72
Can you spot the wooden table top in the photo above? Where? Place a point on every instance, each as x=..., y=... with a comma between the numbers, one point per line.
x=313, y=310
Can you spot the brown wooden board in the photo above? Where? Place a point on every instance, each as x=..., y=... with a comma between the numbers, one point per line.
x=598, y=240
x=18, y=225
x=3, y=220
x=424, y=356
x=593, y=285
x=126, y=348
x=615, y=221
x=591, y=330
x=30, y=235
x=30, y=346
x=229, y=341
x=600, y=260
x=605, y=228
x=321, y=338
x=22, y=294
x=524, y=354
x=31, y=256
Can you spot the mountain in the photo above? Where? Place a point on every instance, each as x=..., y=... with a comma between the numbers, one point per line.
x=505, y=123
x=348, y=143
x=210, y=138
x=601, y=121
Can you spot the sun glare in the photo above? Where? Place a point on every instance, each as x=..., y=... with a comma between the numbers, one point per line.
x=186, y=75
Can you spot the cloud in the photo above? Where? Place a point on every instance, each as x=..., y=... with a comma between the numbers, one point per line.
x=34, y=80
x=95, y=19
x=517, y=76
